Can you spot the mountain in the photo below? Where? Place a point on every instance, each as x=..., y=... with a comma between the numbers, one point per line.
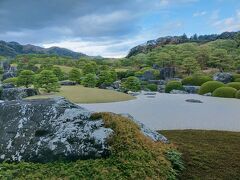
x=149, y=45
x=12, y=49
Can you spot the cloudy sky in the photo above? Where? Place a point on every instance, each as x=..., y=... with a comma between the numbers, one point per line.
x=111, y=27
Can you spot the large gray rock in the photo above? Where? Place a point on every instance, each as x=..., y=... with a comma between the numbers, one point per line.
x=155, y=136
x=50, y=129
x=8, y=75
x=10, y=94
x=223, y=77
x=68, y=83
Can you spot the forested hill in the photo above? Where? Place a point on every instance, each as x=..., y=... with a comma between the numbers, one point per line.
x=12, y=49
x=149, y=45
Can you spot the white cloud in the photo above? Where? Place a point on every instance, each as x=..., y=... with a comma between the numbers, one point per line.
x=201, y=13
x=228, y=24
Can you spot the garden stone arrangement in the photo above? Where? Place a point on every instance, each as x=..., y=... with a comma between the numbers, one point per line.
x=54, y=129
x=48, y=130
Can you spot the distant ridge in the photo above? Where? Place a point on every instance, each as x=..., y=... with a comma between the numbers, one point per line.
x=12, y=49
x=149, y=45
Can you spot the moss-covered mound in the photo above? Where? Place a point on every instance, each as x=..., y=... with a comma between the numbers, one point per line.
x=235, y=85
x=235, y=77
x=226, y=92
x=238, y=94
x=196, y=80
x=133, y=156
x=173, y=85
x=237, y=80
x=209, y=87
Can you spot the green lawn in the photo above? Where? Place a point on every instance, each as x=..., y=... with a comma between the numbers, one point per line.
x=80, y=94
x=208, y=154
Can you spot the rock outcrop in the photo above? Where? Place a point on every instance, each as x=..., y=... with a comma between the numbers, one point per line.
x=9, y=94
x=223, y=77
x=50, y=129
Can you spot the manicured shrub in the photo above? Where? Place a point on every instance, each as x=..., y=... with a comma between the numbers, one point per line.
x=196, y=80
x=237, y=80
x=90, y=80
x=173, y=85
x=132, y=84
x=238, y=94
x=209, y=87
x=152, y=87
x=236, y=76
x=235, y=85
x=226, y=92
x=13, y=80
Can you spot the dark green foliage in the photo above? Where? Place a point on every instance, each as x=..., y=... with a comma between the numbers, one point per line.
x=132, y=84
x=190, y=65
x=175, y=158
x=237, y=80
x=235, y=85
x=196, y=80
x=58, y=72
x=209, y=87
x=75, y=75
x=1, y=70
x=25, y=78
x=238, y=94
x=47, y=80
x=89, y=80
x=173, y=85
x=13, y=80
x=152, y=87
x=107, y=77
x=225, y=92
x=90, y=68
x=236, y=76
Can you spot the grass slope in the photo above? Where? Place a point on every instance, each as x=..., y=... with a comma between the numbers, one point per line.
x=208, y=154
x=133, y=156
x=80, y=94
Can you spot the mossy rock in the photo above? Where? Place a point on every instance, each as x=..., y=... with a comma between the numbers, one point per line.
x=196, y=80
x=235, y=85
x=210, y=86
x=225, y=92
x=173, y=85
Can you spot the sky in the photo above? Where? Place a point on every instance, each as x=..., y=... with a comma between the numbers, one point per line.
x=110, y=28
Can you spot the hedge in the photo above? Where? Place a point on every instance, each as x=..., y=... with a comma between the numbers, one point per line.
x=238, y=94
x=173, y=85
x=152, y=87
x=196, y=80
x=235, y=85
x=225, y=92
x=237, y=80
x=209, y=87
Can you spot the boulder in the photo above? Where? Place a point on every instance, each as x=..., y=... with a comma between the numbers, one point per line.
x=161, y=88
x=208, y=94
x=10, y=94
x=178, y=92
x=223, y=77
x=167, y=72
x=8, y=85
x=191, y=89
x=147, y=75
x=155, y=136
x=50, y=129
x=68, y=83
x=116, y=85
x=8, y=75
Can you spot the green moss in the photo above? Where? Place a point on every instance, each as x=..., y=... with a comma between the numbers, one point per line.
x=238, y=94
x=208, y=154
x=11, y=80
x=196, y=80
x=236, y=76
x=133, y=156
x=237, y=80
x=173, y=85
x=226, y=92
x=235, y=85
x=209, y=87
